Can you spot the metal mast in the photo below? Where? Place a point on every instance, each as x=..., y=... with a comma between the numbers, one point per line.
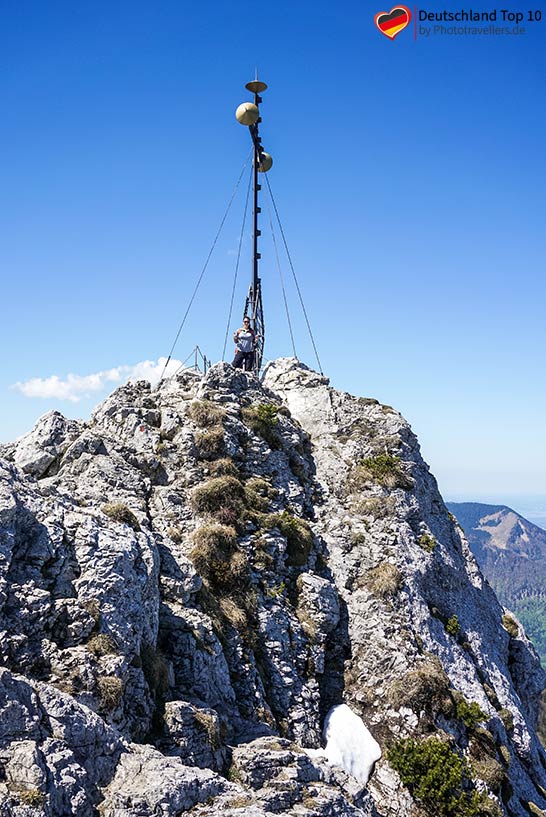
x=249, y=114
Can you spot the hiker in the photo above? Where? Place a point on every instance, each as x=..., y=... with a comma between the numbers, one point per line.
x=245, y=342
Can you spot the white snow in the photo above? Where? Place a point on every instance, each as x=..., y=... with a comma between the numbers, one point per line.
x=349, y=743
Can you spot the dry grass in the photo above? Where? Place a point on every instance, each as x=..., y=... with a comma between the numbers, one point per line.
x=102, y=644
x=217, y=494
x=175, y=533
x=510, y=625
x=155, y=669
x=491, y=772
x=210, y=443
x=31, y=797
x=384, y=580
x=224, y=467
x=378, y=507
x=217, y=559
x=110, y=690
x=204, y=413
x=121, y=513
x=209, y=725
x=425, y=688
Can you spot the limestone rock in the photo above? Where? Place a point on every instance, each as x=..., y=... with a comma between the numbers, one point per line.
x=193, y=579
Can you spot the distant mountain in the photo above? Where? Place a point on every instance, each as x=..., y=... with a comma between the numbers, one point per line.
x=511, y=551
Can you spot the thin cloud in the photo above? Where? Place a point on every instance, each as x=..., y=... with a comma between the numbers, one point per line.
x=76, y=387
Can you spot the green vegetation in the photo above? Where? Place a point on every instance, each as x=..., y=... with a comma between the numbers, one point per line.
x=510, y=625
x=263, y=420
x=110, y=690
x=532, y=614
x=384, y=580
x=204, y=413
x=427, y=542
x=121, y=513
x=438, y=778
x=452, y=626
x=298, y=535
x=385, y=469
x=541, y=722
x=102, y=644
x=468, y=712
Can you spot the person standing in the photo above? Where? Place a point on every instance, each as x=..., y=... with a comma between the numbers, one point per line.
x=245, y=342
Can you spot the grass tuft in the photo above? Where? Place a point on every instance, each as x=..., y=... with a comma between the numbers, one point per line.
x=121, y=513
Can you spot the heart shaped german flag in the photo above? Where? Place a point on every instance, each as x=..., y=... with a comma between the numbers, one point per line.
x=390, y=23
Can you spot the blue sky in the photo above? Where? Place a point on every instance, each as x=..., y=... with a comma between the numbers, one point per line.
x=410, y=177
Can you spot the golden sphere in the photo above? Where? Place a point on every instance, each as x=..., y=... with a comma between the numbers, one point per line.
x=247, y=113
x=265, y=164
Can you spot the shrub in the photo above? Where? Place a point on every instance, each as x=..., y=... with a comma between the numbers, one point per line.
x=384, y=580
x=427, y=542
x=110, y=689
x=102, y=644
x=210, y=443
x=385, y=469
x=469, y=713
x=452, y=626
x=299, y=539
x=510, y=625
x=425, y=688
x=155, y=669
x=263, y=420
x=205, y=413
x=219, y=493
x=438, y=778
x=121, y=513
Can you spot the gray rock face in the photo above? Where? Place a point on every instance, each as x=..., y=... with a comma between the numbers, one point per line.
x=190, y=581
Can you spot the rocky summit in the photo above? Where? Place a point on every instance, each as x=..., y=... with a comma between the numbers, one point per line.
x=197, y=580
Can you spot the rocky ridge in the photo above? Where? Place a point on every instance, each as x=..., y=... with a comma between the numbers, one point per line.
x=190, y=581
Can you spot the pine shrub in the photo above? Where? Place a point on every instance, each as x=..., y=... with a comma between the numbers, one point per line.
x=384, y=469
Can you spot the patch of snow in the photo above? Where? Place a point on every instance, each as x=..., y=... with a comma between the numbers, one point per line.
x=349, y=743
